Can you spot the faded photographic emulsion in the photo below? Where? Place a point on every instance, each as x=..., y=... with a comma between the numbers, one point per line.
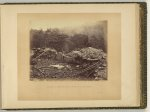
x=68, y=52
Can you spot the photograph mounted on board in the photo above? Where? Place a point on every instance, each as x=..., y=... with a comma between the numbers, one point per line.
x=73, y=56
x=68, y=50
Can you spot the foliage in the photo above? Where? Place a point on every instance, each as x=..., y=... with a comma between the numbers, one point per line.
x=63, y=42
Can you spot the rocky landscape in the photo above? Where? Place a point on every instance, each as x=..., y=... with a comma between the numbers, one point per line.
x=69, y=54
x=85, y=64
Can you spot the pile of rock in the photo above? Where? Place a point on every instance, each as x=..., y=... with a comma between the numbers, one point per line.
x=88, y=53
x=37, y=53
x=92, y=53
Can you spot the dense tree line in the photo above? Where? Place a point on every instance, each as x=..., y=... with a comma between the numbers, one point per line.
x=62, y=42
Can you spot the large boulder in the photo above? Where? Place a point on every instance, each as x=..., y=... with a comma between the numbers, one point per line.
x=74, y=54
x=38, y=53
x=92, y=53
x=88, y=53
x=85, y=54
